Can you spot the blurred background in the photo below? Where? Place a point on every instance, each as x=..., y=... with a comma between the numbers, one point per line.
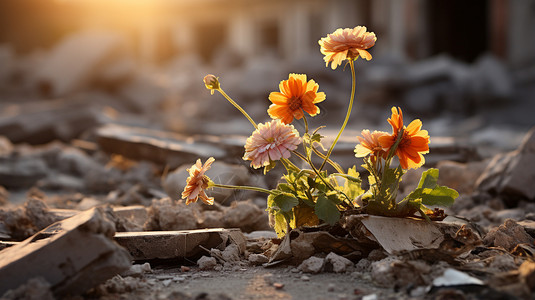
x=466, y=68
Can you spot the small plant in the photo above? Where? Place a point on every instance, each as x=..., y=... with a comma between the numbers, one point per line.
x=310, y=196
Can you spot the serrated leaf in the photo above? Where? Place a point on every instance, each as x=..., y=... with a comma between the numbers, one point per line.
x=285, y=202
x=326, y=210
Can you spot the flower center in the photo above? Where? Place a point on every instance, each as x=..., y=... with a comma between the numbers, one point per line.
x=295, y=103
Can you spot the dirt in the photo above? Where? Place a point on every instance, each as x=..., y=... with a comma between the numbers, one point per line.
x=251, y=282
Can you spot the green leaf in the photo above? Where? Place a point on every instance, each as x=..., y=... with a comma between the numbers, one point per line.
x=431, y=193
x=429, y=179
x=326, y=210
x=285, y=188
x=440, y=196
x=281, y=224
x=285, y=202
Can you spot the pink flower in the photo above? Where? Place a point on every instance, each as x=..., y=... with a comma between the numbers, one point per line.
x=271, y=141
x=347, y=43
x=197, y=183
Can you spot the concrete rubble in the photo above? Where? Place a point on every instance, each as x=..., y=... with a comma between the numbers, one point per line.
x=70, y=268
x=94, y=153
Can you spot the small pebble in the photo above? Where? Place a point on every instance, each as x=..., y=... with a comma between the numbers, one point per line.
x=166, y=282
x=331, y=287
x=305, y=278
x=184, y=268
x=278, y=285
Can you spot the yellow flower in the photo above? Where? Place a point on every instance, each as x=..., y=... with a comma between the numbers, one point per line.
x=347, y=43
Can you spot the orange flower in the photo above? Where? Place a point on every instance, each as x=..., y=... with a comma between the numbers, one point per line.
x=296, y=95
x=197, y=183
x=347, y=43
x=414, y=142
x=369, y=145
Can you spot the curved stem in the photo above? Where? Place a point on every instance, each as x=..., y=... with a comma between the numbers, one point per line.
x=332, y=163
x=238, y=107
x=353, y=84
x=240, y=187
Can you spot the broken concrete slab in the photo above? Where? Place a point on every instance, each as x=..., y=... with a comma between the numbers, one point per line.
x=77, y=258
x=149, y=245
x=161, y=147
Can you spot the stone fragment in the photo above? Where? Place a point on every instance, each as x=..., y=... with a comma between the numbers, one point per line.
x=460, y=176
x=69, y=267
x=138, y=270
x=337, y=263
x=166, y=214
x=510, y=175
x=63, y=72
x=257, y=259
x=35, y=289
x=20, y=173
x=130, y=218
x=392, y=272
x=21, y=222
x=164, y=148
x=207, y=263
x=312, y=265
x=149, y=245
x=246, y=216
x=508, y=235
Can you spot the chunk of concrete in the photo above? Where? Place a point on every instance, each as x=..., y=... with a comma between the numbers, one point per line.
x=149, y=245
x=161, y=147
x=80, y=256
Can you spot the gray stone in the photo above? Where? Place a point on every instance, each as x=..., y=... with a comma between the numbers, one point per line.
x=257, y=259
x=510, y=175
x=337, y=263
x=246, y=216
x=508, y=235
x=21, y=172
x=312, y=265
x=166, y=214
x=70, y=267
x=207, y=263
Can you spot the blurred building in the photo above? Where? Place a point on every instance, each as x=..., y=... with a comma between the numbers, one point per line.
x=160, y=29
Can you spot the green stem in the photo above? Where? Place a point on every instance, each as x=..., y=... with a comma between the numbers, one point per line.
x=332, y=163
x=353, y=84
x=239, y=187
x=238, y=107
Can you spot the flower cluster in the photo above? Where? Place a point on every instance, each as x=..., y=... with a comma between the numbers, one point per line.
x=310, y=196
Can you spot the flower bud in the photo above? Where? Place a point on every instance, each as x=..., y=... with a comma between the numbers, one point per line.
x=211, y=82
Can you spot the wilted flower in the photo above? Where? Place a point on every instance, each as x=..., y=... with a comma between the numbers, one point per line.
x=197, y=183
x=369, y=145
x=296, y=95
x=347, y=43
x=211, y=82
x=271, y=141
x=414, y=142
